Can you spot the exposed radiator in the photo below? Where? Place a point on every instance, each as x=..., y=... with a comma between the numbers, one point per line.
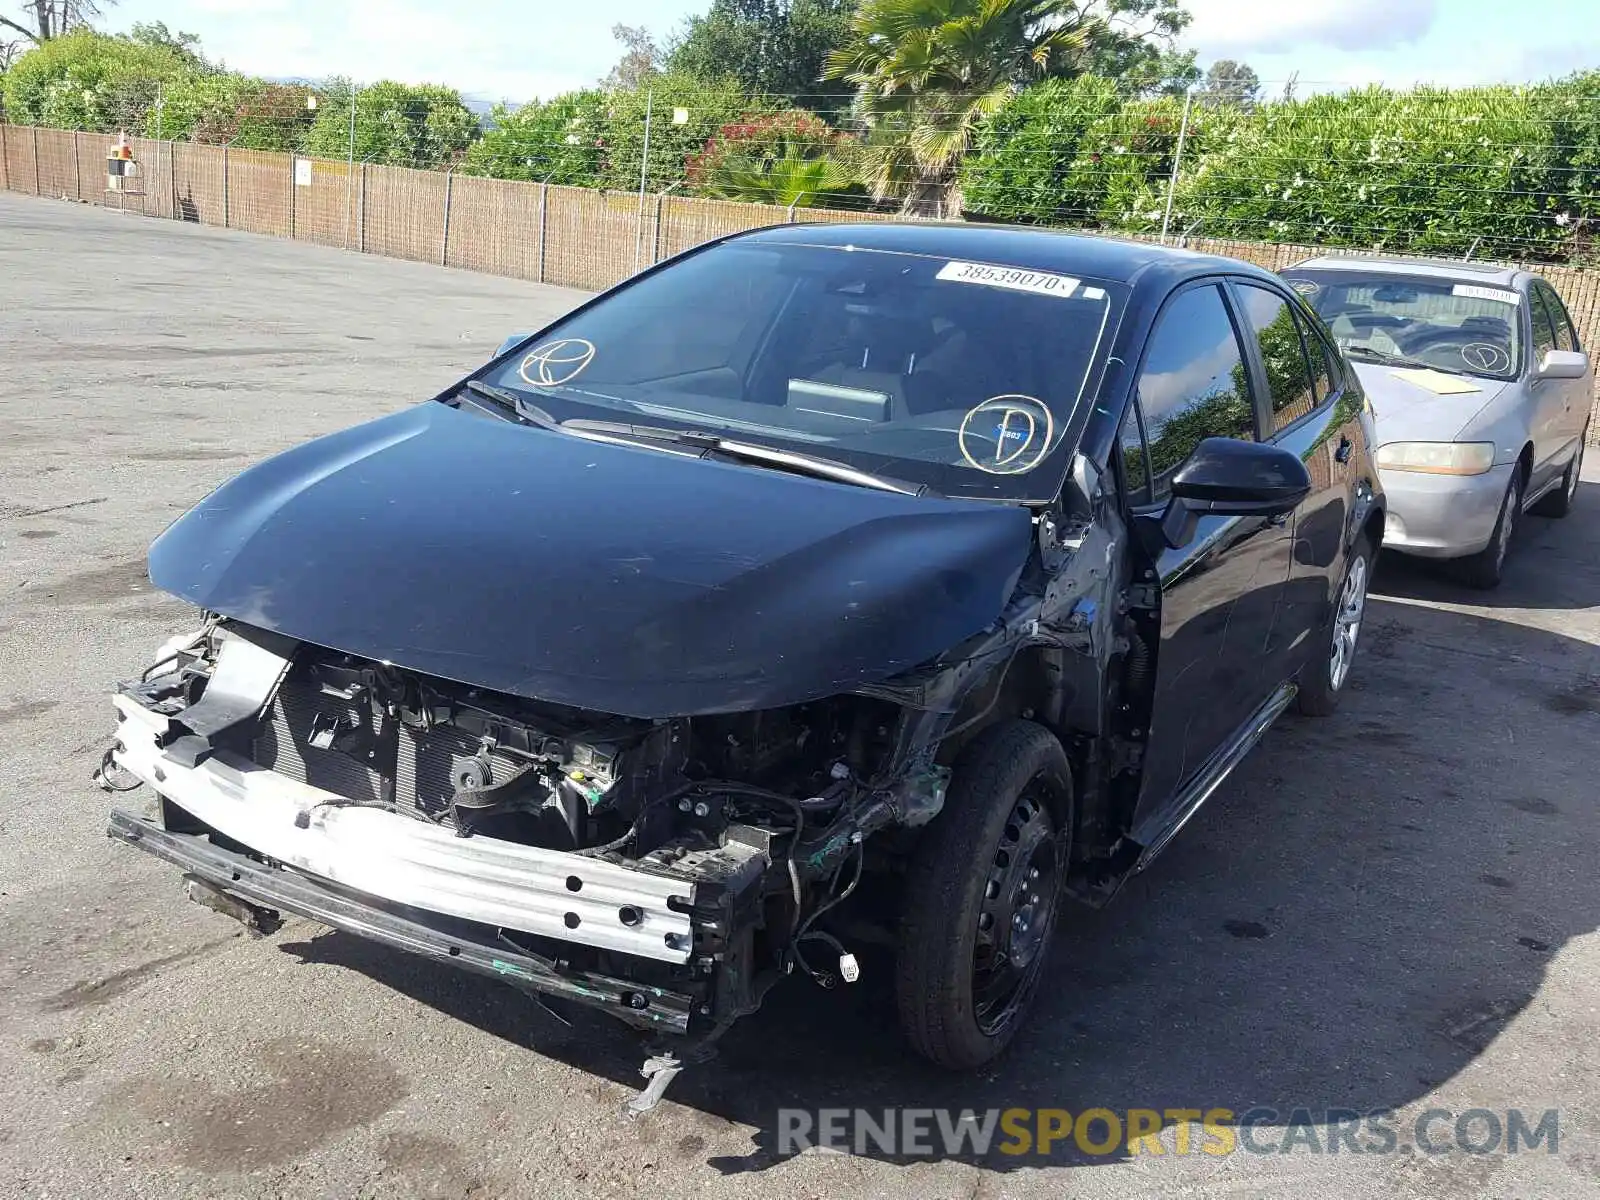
x=428, y=766
x=283, y=743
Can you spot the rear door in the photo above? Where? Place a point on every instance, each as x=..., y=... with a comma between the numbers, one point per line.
x=1219, y=593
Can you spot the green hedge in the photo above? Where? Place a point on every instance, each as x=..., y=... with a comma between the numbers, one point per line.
x=1514, y=169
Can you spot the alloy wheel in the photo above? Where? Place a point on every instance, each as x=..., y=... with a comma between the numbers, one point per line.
x=1347, y=622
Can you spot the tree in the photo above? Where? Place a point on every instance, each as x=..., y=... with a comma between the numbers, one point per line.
x=704, y=107
x=774, y=48
x=640, y=60
x=1229, y=82
x=46, y=19
x=184, y=45
x=395, y=123
x=928, y=72
x=89, y=81
x=560, y=141
x=788, y=158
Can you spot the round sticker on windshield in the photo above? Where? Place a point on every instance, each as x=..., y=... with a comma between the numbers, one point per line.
x=1306, y=287
x=556, y=363
x=1485, y=356
x=1008, y=435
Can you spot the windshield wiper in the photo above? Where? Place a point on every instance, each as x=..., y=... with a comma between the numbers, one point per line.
x=767, y=456
x=704, y=443
x=514, y=405
x=1400, y=360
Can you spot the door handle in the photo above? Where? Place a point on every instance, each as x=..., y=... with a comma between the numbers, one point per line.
x=1342, y=454
x=1278, y=522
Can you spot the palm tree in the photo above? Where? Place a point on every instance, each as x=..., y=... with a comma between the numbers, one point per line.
x=792, y=180
x=928, y=71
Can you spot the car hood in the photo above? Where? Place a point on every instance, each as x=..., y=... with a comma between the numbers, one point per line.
x=604, y=577
x=1404, y=411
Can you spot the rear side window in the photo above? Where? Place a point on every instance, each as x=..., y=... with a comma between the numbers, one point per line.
x=1283, y=354
x=1318, y=354
x=1193, y=384
x=1566, y=335
x=1544, y=329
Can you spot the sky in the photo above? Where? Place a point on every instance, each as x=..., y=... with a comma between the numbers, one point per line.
x=528, y=49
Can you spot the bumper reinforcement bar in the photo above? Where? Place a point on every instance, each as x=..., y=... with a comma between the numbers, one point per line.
x=641, y=1005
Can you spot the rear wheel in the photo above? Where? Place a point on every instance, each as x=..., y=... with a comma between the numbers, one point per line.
x=981, y=896
x=1559, y=502
x=1486, y=568
x=1322, y=680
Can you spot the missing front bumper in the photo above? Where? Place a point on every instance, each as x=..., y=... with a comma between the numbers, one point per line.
x=270, y=887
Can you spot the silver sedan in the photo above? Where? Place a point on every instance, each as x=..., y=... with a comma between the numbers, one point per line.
x=1480, y=392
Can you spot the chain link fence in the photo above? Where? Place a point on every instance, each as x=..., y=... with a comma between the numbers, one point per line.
x=449, y=208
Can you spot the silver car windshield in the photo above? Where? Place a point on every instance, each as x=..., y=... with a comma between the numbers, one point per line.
x=962, y=376
x=1467, y=328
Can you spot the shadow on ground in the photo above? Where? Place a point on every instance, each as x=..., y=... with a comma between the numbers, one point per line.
x=1364, y=907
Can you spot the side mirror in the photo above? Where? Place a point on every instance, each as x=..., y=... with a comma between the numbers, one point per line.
x=1564, y=364
x=511, y=341
x=1227, y=477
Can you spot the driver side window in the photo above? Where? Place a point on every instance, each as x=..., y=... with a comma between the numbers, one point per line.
x=1193, y=384
x=1544, y=330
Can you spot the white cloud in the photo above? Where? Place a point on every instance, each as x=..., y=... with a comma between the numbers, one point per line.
x=1224, y=28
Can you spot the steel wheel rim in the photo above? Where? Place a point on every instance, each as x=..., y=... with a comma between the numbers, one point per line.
x=1017, y=913
x=1347, y=623
x=1575, y=470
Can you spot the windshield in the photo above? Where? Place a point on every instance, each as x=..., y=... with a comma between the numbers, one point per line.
x=1467, y=328
x=961, y=376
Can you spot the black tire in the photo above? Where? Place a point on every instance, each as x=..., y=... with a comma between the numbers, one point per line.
x=1321, y=681
x=1485, y=569
x=1013, y=776
x=1559, y=502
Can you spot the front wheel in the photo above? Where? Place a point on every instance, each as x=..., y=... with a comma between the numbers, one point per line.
x=981, y=896
x=1322, y=680
x=1485, y=569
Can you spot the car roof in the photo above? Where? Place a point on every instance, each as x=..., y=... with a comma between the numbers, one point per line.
x=1435, y=268
x=1112, y=259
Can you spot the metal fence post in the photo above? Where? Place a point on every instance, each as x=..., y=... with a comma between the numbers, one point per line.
x=294, y=195
x=544, y=225
x=77, y=170
x=444, y=236
x=36, y=191
x=5, y=164
x=655, y=246
x=225, y=185
x=350, y=168
x=172, y=179
x=361, y=213
x=644, y=176
x=1177, y=161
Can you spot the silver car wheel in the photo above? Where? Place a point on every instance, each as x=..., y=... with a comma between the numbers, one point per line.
x=1508, y=521
x=1347, y=623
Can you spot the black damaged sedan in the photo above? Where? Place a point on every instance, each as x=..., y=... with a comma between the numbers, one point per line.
x=918, y=577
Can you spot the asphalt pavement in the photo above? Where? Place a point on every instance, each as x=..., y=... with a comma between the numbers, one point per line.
x=1392, y=909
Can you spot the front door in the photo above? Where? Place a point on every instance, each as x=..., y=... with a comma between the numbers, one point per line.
x=1309, y=414
x=1220, y=592
x=1551, y=399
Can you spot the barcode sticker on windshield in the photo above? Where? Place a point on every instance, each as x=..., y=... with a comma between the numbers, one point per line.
x=1018, y=280
x=1485, y=293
